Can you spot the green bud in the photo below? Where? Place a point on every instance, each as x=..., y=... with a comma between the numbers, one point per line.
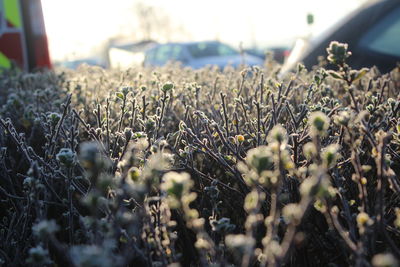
x=278, y=134
x=260, y=159
x=54, y=118
x=337, y=53
x=319, y=124
x=66, y=157
x=168, y=86
x=330, y=155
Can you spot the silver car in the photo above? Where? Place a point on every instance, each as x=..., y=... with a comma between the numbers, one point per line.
x=198, y=55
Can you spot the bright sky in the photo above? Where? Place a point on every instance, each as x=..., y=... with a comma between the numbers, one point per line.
x=76, y=27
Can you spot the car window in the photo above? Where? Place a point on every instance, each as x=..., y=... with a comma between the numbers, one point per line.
x=210, y=50
x=384, y=37
x=150, y=56
x=177, y=53
x=225, y=50
x=163, y=54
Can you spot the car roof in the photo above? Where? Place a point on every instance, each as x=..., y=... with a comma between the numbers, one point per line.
x=189, y=43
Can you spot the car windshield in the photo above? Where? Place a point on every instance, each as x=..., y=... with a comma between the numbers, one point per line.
x=210, y=50
x=384, y=37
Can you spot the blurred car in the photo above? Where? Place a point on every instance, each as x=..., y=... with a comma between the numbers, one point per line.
x=125, y=54
x=371, y=31
x=74, y=64
x=279, y=53
x=198, y=55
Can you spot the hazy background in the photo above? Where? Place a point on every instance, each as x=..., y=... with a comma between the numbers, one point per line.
x=82, y=28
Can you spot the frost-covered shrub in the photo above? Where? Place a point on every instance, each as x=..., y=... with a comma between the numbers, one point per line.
x=167, y=166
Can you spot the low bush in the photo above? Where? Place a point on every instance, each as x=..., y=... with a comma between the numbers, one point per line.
x=173, y=166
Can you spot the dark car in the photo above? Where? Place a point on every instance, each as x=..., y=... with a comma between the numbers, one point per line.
x=199, y=54
x=371, y=31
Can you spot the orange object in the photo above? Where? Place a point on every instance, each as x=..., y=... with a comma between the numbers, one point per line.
x=23, y=39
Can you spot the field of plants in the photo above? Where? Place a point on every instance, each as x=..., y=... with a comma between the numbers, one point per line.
x=180, y=167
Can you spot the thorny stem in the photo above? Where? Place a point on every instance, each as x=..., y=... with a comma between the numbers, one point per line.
x=144, y=109
x=219, y=159
x=353, y=99
x=7, y=125
x=332, y=217
x=274, y=117
x=249, y=124
x=273, y=217
x=98, y=116
x=114, y=149
x=214, y=88
x=121, y=119
x=291, y=231
x=108, y=143
x=225, y=114
x=381, y=188
x=355, y=160
x=262, y=89
x=90, y=131
x=258, y=123
x=70, y=207
x=160, y=120
x=227, y=144
x=53, y=139
x=241, y=85
x=236, y=123
x=133, y=115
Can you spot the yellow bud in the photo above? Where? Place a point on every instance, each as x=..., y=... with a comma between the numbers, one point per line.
x=374, y=152
x=362, y=219
x=240, y=138
x=87, y=164
x=397, y=220
x=363, y=181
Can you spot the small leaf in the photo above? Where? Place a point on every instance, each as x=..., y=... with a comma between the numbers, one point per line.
x=167, y=86
x=120, y=95
x=360, y=74
x=335, y=74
